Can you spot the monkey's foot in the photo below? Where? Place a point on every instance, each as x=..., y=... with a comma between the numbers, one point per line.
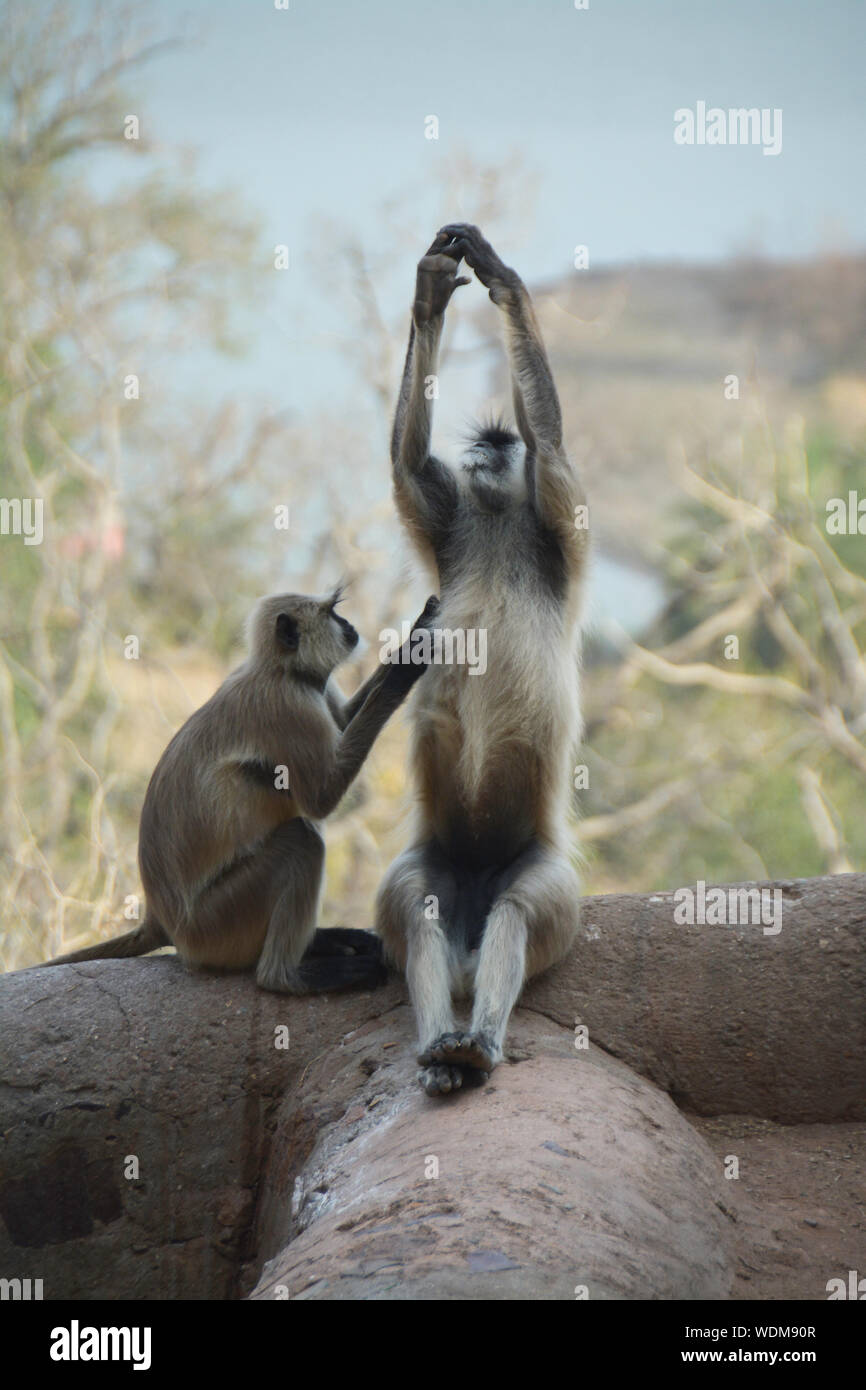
x=470, y=1054
x=344, y=941
x=324, y=975
x=438, y=1081
x=473, y=1050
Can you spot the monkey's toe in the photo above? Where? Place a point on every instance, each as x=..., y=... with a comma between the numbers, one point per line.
x=440, y=1081
x=443, y=1049
x=471, y=1050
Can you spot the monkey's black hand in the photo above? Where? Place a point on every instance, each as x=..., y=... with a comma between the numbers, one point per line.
x=428, y=613
x=416, y=651
x=464, y=241
x=436, y=281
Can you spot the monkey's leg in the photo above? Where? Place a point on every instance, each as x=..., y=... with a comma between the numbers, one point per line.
x=284, y=964
x=263, y=909
x=228, y=921
x=412, y=891
x=530, y=926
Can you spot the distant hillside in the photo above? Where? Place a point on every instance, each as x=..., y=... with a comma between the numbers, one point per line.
x=641, y=355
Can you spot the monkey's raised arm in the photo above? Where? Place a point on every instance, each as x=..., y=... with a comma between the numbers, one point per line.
x=424, y=489
x=319, y=786
x=319, y=782
x=558, y=489
x=536, y=403
x=344, y=710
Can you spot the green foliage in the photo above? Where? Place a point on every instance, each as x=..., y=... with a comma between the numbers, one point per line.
x=743, y=753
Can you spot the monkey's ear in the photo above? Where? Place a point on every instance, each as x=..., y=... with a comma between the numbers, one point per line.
x=287, y=632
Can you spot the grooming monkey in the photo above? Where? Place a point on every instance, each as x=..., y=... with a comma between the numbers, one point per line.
x=230, y=850
x=486, y=895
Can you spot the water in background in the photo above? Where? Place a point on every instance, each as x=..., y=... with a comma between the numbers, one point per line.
x=628, y=595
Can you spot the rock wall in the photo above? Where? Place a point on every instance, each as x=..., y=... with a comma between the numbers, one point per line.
x=161, y=1140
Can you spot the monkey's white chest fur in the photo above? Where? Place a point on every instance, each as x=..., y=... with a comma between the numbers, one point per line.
x=500, y=737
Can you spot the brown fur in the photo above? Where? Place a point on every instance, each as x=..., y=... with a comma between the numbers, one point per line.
x=231, y=860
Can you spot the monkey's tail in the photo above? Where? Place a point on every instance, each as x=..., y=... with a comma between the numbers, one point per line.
x=132, y=943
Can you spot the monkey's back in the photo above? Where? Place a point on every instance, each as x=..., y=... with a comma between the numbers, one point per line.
x=204, y=805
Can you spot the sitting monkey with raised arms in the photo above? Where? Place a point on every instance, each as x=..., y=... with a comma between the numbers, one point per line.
x=230, y=850
x=486, y=894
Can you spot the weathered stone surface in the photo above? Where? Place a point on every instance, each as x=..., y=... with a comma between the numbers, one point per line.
x=117, y=1059
x=725, y=1018
x=566, y=1171
x=142, y=1058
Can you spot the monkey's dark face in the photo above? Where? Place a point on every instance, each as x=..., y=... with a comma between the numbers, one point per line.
x=350, y=634
x=494, y=473
x=328, y=607
x=306, y=637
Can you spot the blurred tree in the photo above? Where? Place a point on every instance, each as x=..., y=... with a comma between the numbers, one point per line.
x=740, y=758
x=90, y=283
x=158, y=513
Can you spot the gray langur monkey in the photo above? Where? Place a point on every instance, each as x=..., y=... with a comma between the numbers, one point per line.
x=486, y=895
x=230, y=850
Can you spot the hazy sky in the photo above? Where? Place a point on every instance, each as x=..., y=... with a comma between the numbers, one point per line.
x=319, y=110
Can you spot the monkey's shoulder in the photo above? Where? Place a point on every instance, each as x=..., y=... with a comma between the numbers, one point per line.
x=246, y=733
